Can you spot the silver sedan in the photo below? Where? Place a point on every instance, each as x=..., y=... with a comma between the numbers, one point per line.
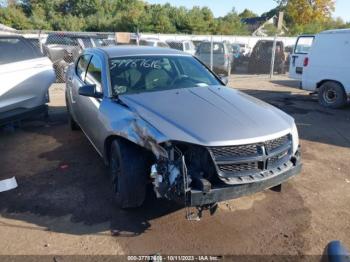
x=160, y=116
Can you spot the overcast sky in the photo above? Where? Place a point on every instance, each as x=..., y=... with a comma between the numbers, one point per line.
x=221, y=7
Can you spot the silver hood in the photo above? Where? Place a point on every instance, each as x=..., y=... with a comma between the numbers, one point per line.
x=210, y=116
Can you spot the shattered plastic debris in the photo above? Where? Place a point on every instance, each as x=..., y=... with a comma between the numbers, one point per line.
x=8, y=184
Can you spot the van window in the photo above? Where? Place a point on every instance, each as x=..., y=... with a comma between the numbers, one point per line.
x=16, y=49
x=303, y=44
x=187, y=46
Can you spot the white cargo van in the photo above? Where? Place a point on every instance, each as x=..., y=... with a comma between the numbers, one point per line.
x=326, y=68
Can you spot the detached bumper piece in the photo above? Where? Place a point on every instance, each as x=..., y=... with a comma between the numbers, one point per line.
x=227, y=192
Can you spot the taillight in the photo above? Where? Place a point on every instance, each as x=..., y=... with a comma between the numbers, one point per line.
x=306, y=61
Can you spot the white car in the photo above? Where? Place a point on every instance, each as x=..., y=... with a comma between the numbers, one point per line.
x=153, y=42
x=324, y=66
x=186, y=46
x=25, y=77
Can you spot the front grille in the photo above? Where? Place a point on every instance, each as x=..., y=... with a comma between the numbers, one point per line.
x=276, y=143
x=245, y=160
x=235, y=151
x=243, y=167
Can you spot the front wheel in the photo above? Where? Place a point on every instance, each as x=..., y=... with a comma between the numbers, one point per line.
x=332, y=95
x=128, y=170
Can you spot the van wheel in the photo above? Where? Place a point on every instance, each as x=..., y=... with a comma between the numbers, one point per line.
x=332, y=95
x=128, y=171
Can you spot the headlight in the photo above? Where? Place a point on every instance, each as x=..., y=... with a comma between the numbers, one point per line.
x=295, y=138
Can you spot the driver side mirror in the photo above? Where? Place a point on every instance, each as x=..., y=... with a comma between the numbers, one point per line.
x=224, y=79
x=90, y=91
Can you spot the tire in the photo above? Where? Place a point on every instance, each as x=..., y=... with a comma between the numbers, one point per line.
x=128, y=170
x=332, y=95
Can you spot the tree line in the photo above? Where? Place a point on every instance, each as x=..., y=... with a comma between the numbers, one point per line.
x=301, y=16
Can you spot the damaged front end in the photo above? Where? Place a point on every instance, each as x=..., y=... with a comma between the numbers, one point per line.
x=186, y=167
x=200, y=176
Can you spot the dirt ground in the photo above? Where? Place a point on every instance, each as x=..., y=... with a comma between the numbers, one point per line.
x=63, y=204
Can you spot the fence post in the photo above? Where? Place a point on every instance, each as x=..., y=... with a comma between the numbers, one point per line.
x=211, y=53
x=40, y=42
x=273, y=56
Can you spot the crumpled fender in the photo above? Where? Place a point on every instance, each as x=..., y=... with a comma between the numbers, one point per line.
x=131, y=126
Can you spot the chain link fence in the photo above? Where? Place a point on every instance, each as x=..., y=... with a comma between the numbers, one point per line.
x=242, y=56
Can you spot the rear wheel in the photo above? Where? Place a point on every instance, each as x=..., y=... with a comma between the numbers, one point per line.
x=332, y=95
x=128, y=170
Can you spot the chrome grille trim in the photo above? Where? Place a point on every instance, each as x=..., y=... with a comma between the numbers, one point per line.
x=253, y=159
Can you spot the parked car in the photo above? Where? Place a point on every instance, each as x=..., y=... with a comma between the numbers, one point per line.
x=35, y=41
x=240, y=55
x=160, y=115
x=183, y=45
x=260, y=59
x=25, y=76
x=64, y=48
x=244, y=49
x=153, y=42
x=222, y=56
x=298, y=55
x=326, y=68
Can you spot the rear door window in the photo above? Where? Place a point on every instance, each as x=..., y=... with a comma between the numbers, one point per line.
x=82, y=66
x=94, y=73
x=304, y=44
x=16, y=50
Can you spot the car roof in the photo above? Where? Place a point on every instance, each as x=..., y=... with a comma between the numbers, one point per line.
x=177, y=41
x=125, y=50
x=10, y=36
x=336, y=31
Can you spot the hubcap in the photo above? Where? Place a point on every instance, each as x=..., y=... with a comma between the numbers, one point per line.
x=330, y=96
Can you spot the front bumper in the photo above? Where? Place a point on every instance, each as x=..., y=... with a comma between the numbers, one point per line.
x=218, y=194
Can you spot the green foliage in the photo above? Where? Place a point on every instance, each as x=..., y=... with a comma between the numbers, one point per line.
x=247, y=14
x=133, y=15
x=231, y=25
x=116, y=15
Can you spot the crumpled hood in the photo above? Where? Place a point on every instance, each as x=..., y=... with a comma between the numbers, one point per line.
x=210, y=116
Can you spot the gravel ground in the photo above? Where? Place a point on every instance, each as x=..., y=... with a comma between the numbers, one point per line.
x=63, y=204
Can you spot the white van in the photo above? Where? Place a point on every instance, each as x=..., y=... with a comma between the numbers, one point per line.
x=325, y=68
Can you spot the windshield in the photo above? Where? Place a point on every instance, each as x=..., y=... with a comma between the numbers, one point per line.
x=156, y=73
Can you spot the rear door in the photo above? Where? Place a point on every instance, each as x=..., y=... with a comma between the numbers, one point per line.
x=25, y=75
x=300, y=52
x=74, y=82
x=90, y=106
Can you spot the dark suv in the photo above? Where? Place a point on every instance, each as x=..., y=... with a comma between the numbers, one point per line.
x=260, y=59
